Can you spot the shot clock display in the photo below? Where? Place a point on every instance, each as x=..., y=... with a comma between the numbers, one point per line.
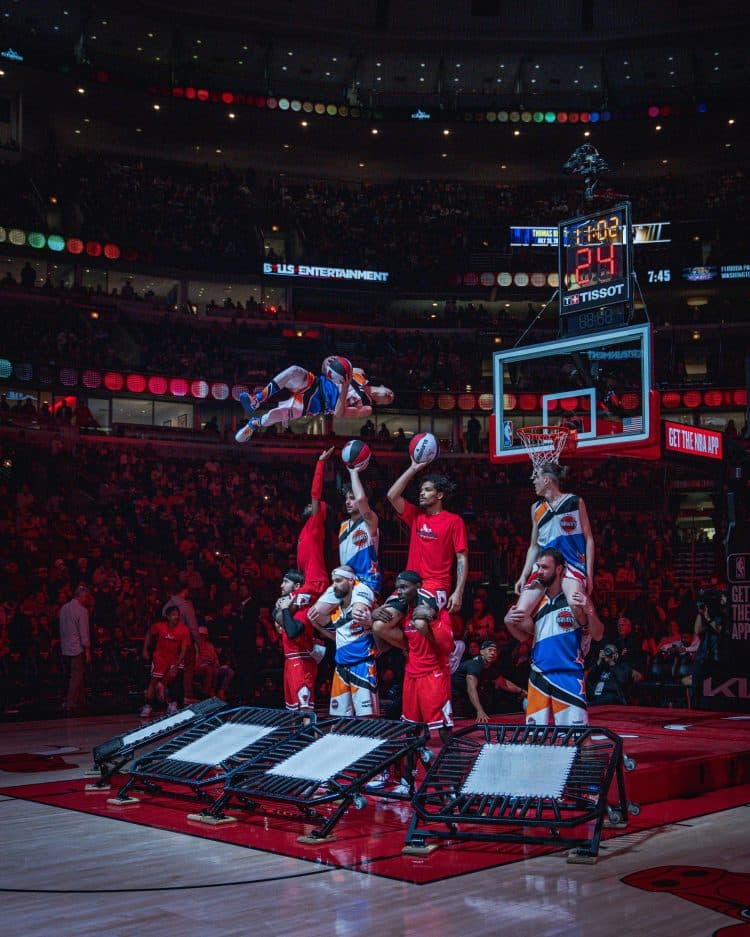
x=595, y=259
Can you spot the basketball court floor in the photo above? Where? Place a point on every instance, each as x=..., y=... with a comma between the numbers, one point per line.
x=72, y=865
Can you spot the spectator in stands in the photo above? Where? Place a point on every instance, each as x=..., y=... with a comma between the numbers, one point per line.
x=465, y=681
x=206, y=663
x=629, y=646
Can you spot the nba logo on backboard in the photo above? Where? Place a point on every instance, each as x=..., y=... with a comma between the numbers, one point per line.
x=737, y=567
x=507, y=434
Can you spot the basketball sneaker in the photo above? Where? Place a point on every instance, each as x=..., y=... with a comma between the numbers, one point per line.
x=378, y=782
x=249, y=402
x=146, y=711
x=402, y=789
x=243, y=434
x=172, y=708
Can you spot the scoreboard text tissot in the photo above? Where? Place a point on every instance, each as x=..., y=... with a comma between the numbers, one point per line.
x=594, y=258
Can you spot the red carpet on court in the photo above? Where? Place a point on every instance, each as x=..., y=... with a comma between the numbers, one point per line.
x=688, y=764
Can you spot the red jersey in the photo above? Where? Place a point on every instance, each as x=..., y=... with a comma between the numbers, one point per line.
x=169, y=642
x=435, y=540
x=423, y=656
x=310, y=552
x=301, y=646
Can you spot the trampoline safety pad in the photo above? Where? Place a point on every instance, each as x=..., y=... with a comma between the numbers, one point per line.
x=221, y=743
x=326, y=757
x=520, y=771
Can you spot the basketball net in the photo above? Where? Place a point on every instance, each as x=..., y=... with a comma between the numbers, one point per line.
x=545, y=444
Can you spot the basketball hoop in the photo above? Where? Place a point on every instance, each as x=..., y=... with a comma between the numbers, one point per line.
x=545, y=444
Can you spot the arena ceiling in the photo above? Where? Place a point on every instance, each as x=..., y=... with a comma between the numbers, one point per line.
x=441, y=58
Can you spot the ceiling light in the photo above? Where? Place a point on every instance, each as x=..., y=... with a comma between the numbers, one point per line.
x=361, y=165
x=516, y=133
x=446, y=132
x=231, y=115
x=81, y=90
x=303, y=123
x=730, y=121
x=587, y=133
x=374, y=131
x=157, y=107
x=657, y=127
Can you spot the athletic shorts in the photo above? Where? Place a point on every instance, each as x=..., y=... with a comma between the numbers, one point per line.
x=299, y=682
x=354, y=690
x=160, y=667
x=550, y=704
x=428, y=699
x=569, y=573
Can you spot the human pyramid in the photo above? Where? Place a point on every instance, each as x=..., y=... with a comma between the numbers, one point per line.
x=345, y=607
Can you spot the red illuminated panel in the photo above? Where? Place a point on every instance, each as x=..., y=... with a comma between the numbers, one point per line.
x=135, y=383
x=111, y=251
x=199, y=389
x=91, y=379
x=467, y=402
x=178, y=387
x=113, y=380
x=510, y=401
x=75, y=246
x=630, y=401
x=693, y=440
x=692, y=398
x=93, y=248
x=713, y=398
x=569, y=403
x=527, y=402
x=157, y=385
x=446, y=401
x=486, y=401
x=739, y=397
x=426, y=401
x=670, y=399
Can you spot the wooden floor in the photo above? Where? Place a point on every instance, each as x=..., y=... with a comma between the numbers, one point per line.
x=63, y=872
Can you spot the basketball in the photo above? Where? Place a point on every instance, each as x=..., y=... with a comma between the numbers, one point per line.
x=337, y=369
x=424, y=448
x=356, y=454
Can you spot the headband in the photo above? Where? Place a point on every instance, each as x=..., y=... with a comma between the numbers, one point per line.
x=343, y=572
x=409, y=575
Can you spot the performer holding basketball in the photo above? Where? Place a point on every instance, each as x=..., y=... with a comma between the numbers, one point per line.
x=556, y=692
x=297, y=639
x=558, y=520
x=437, y=536
x=339, y=390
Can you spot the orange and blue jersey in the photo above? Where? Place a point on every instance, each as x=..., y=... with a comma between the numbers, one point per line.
x=560, y=528
x=557, y=647
x=359, y=549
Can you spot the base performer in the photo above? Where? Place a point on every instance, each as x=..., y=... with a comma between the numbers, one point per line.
x=425, y=634
x=297, y=639
x=354, y=689
x=556, y=693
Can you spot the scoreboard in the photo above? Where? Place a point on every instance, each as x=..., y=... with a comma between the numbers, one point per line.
x=595, y=260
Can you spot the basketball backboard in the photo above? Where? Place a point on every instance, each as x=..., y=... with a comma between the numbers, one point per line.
x=598, y=384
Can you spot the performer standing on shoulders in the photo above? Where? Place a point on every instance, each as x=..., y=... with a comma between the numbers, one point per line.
x=437, y=536
x=556, y=692
x=558, y=521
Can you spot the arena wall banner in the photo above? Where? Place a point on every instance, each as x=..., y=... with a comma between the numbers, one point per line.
x=732, y=688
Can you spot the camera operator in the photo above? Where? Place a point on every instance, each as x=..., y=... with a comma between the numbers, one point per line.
x=611, y=679
x=710, y=624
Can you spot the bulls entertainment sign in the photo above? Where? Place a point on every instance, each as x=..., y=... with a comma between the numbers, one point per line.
x=693, y=440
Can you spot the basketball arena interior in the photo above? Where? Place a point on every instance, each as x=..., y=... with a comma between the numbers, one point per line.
x=374, y=460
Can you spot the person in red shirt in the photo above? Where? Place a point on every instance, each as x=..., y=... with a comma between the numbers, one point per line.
x=292, y=624
x=438, y=537
x=165, y=645
x=311, y=541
